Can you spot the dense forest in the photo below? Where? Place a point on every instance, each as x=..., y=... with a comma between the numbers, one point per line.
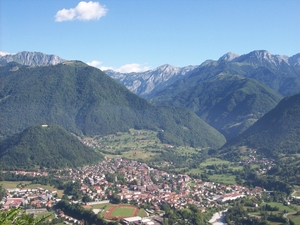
x=87, y=102
x=277, y=132
x=228, y=103
x=47, y=146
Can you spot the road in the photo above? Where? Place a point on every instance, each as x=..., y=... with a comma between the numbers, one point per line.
x=218, y=218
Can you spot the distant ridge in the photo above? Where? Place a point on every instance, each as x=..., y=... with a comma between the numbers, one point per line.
x=279, y=72
x=148, y=83
x=278, y=131
x=31, y=59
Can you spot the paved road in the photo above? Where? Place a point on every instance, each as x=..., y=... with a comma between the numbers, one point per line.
x=287, y=214
x=218, y=218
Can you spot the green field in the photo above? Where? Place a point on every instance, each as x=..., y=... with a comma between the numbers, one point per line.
x=222, y=178
x=214, y=161
x=282, y=209
x=138, y=154
x=107, y=206
x=295, y=218
x=48, y=187
x=142, y=213
x=281, y=206
x=123, y=212
x=13, y=184
x=186, y=150
x=135, y=144
x=219, y=162
x=210, y=163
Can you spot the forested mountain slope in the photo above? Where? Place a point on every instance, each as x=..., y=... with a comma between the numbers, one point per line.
x=228, y=103
x=278, y=131
x=86, y=101
x=45, y=146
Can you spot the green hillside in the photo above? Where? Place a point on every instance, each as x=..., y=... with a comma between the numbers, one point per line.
x=276, y=132
x=45, y=146
x=86, y=101
x=228, y=103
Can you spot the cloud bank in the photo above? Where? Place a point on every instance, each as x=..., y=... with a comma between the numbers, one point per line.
x=94, y=63
x=127, y=68
x=83, y=11
x=133, y=67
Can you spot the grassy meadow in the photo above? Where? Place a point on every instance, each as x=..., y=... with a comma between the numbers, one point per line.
x=135, y=144
x=282, y=210
x=13, y=184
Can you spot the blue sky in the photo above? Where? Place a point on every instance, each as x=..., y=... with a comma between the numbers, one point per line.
x=133, y=35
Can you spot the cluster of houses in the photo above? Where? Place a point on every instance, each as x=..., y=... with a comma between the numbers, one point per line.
x=252, y=158
x=69, y=219
x=29, y=198
x=29, y=173
x=144, y=184
x=140, y=185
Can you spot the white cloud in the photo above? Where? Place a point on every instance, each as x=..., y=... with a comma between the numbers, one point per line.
x=133, y=67
x=127, y=68
x=106, y=68
x=83, y=11
x=94, y=63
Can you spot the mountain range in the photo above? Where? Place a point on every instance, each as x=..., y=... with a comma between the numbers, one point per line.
x=231, y=94
x=86, y=101
x=146, y=84
x=279, y=72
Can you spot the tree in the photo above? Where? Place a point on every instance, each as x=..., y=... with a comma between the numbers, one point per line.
x=19, y=217
x=115, y=199
x=86, y=198
x=2, y=192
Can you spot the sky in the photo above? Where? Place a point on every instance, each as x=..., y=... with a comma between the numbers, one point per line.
x=138, y=35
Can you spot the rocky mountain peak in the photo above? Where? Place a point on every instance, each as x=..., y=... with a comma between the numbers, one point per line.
x=4, y=53
x=31, y=58
x=262, y=58
x=260, y=54
x=294, y=60
x=229, y=56
x=166, y=68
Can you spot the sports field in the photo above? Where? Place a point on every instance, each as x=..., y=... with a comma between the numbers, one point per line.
x=121, y=211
